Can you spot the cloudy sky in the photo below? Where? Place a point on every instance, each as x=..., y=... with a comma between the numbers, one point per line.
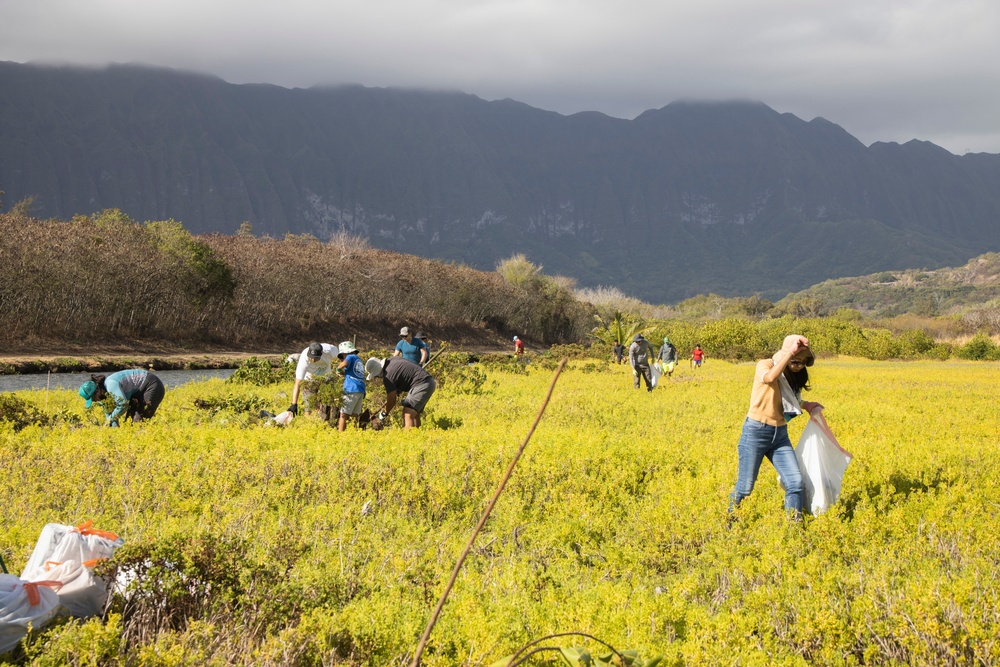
x=885, y=70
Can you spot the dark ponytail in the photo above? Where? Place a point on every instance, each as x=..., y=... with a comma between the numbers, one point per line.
x=100, y=391
x=798, y=380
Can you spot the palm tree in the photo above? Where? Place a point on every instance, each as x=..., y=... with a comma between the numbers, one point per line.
x=622, y=327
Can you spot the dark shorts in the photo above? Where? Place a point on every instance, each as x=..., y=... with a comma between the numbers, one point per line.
x=417, y=397
x=144, y=403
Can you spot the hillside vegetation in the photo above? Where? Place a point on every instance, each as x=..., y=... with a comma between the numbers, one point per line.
x=972, y=287
x=107, y=278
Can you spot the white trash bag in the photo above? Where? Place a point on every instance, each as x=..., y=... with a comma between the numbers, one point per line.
x=70, y=562
x=284, y=419
x=22, y=604
x=822, y=461
x=46, y=545
x=82, y=594
x=655, y=373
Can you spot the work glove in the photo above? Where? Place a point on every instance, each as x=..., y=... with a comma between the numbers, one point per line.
x=294, y=408
x=635, y=372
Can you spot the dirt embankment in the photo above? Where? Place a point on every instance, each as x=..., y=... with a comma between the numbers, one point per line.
x=54, y=356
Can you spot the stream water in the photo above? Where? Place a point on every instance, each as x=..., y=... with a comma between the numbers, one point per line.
x=41, y=381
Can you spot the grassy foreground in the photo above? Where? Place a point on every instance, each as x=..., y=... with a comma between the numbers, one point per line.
x=256, y=545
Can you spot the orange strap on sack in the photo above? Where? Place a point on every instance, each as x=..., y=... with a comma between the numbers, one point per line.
x=85, y=529
x=31, y=588
x=49, y=564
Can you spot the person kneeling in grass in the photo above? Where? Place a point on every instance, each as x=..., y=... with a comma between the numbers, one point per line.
x=354, y=383
x=397, y=375
x=137, y=394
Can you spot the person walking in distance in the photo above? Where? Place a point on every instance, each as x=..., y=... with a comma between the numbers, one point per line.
x=618, y=351
x=697, y=356
x=667, y=357
x=639, y=355
x=518, y=347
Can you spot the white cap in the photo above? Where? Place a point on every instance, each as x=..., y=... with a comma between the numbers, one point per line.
x=373, y=367
x=405, y=331
x=515, y=338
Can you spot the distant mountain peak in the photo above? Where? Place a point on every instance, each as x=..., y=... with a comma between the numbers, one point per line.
x=698, y=196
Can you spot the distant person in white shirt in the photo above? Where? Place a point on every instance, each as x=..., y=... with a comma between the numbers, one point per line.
x=315, y=360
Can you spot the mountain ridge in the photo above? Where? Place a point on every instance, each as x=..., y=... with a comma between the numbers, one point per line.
x=729, y=197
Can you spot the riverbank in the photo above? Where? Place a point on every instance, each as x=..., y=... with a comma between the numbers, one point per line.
x=103, y=361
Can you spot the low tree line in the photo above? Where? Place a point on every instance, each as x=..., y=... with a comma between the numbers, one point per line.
x=106, y=277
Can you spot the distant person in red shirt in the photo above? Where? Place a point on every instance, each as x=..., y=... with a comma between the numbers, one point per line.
x=697, y=356
x=518, y=346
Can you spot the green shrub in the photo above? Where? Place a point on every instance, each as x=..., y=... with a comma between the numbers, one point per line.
x=979, y=348
x=76, y=642
x=915, y=343
x=503, y=362
x=732, y=339
x=455, y=373
x=235, y=403
x=20, y=413
x=325, y=390
x=574, y=351
x=261, y=373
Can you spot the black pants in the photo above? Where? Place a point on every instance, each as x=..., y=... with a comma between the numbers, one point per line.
x=646, y=375
x=144, y=403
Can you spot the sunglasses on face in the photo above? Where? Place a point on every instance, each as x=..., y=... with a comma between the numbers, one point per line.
x=797, y=362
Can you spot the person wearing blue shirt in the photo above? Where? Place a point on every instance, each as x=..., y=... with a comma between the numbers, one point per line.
x=137, y=394
x=354, y=383
x=410, y=348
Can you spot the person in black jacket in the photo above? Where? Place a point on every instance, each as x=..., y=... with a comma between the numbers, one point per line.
x=639, y=354
x=618, y=351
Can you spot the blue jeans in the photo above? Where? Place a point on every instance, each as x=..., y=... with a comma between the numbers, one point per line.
x=760, y=440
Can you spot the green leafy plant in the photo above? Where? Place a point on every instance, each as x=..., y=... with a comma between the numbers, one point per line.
x=20, y=413
x=231, y=402
x=621, y=327
x=261, y=372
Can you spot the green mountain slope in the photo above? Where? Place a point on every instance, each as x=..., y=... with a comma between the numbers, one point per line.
x=733, y=198
x=925, y=292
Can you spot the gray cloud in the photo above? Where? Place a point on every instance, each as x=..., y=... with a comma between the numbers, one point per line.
x=891, y=70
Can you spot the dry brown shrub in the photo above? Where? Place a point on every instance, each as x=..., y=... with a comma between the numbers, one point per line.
x=105, y=277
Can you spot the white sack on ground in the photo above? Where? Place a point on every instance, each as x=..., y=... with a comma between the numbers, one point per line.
x=47, y=542
x=23, y=604
x=822, y=461
x=82, y=594
x=284, y=419
x=70, y=563
x=655, y=373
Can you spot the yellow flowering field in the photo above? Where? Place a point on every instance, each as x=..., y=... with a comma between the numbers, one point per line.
x=248, y=544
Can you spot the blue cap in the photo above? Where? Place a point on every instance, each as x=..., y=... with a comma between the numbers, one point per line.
x=87, y=390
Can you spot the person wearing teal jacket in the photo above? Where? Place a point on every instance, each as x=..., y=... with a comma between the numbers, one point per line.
x=137, y=394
